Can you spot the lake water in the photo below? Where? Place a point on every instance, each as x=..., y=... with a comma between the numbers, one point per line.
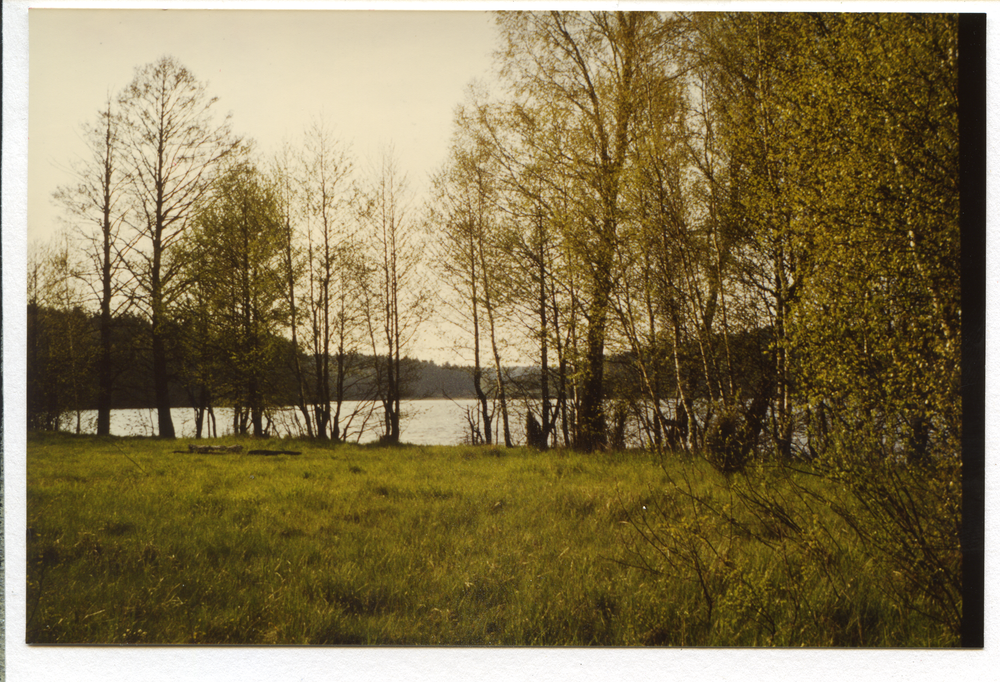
x=424, y=422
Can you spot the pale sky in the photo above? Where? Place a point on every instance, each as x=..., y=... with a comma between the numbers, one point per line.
x=376, y=77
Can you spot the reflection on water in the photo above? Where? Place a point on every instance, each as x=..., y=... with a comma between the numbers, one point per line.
x=424, y=422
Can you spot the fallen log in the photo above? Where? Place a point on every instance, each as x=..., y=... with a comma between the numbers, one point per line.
x=214, y=449
x=268, y=453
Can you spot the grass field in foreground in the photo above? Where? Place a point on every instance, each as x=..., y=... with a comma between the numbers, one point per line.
x=131, y=542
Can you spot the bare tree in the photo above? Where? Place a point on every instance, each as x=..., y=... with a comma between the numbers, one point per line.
x=326, y=167
x=284, y=169
x=172, y=148
x=96, y=205
x=457, y=216
x=397, y=298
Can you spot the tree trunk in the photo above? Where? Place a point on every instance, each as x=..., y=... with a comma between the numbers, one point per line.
x=477, y=370
x=592, y=426
x=501, y=383
x=561, y=410
x=297, y=364
x=104, y=365
x=105, y=378
x=544, y=336
x=501, y=390
x=161, y=388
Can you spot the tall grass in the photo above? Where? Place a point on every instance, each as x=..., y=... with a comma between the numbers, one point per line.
x=130, y=542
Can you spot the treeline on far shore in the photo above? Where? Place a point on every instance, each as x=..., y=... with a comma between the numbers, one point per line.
x=63, y=350
x=64, y=345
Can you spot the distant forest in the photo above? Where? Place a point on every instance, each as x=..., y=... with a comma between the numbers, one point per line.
x=56, y=384
x=63, y=382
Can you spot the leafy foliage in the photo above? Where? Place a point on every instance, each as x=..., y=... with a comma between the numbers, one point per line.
x=238, y=293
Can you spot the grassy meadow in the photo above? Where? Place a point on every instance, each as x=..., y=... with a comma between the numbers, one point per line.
x=131, y=542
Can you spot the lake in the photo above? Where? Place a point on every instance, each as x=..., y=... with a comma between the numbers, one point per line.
x=424, y=422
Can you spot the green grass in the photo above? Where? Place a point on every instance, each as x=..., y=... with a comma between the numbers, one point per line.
x=130, y=542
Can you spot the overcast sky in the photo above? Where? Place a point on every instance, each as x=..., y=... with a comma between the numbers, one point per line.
x=376, y=77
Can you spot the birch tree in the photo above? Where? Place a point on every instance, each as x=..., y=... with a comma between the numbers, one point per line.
x=580, y=73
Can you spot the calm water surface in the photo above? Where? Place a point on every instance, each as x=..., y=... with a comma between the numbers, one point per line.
x=424, y=422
